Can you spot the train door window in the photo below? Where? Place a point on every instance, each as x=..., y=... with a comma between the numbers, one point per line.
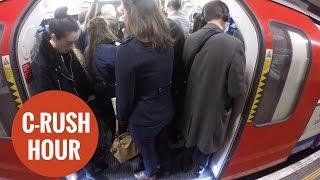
x=7, y=104
x=290, y=62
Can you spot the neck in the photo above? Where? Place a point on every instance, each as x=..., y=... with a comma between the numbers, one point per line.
x=53, y=44
x=218, y=23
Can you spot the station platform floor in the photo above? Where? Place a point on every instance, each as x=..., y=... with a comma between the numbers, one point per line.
x=305, y=169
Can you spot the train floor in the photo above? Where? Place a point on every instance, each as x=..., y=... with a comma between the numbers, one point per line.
x=180, y=170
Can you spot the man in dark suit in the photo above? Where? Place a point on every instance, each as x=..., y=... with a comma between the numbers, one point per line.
x=216, y=76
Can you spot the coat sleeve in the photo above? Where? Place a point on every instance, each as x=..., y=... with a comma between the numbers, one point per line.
x=237, y=85
x=42, y=78
x=125, y=78
x=187, y=52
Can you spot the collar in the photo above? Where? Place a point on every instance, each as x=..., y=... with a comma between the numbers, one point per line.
x=127, y=39
x=212, y=26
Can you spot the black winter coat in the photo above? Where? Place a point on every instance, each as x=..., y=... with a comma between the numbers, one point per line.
x=50, y=72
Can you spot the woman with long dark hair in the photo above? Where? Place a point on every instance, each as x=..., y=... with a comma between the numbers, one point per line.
x=144, y=71
x=100, y=64
x=56, y=67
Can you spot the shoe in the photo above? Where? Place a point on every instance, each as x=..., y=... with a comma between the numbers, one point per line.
x=142, y=176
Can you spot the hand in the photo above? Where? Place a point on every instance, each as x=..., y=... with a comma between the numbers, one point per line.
x=91, y=98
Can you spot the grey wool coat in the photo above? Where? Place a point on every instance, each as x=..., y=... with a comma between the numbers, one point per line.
x=215, y=77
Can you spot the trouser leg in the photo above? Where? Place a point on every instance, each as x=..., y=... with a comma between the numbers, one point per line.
x=162, y=147
x=146, y=146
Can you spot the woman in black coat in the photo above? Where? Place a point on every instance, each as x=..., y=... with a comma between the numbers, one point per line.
x=101, y=61
x=56, y=67
x=144, y=72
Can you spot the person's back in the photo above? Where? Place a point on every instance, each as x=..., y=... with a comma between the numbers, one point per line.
x=152, y=71
x=100, y=65
x=216, y=78
x=178, y=78
x=104, y=62
x=143, y=73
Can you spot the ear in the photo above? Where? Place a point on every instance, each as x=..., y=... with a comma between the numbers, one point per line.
x=54, y=37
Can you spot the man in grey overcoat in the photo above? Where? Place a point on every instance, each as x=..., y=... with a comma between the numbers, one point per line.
x=216, y=76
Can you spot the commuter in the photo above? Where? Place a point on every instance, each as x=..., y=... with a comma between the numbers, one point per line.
x=143, y=72
x=101, y=68
x=173, y=8
x=83, y=38
x=82, y=17
x=199, y=22
x=56, y=66
x=178, y=79
x=109, y=13
x=216, y=67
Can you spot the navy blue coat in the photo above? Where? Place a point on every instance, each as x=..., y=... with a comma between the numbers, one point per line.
x=144, y=87
x=104, y=59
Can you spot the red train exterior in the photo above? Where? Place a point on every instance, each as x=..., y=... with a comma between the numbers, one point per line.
x=256, y=147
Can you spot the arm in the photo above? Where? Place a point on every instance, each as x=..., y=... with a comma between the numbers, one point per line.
x=91, y=14
x=125, y=77
x=236, y=79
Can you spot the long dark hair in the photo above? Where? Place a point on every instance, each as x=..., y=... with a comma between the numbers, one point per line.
x=147, y=23
x=99, y=32
x=62, y=23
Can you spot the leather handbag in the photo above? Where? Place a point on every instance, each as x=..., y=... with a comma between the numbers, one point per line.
x=123, y=148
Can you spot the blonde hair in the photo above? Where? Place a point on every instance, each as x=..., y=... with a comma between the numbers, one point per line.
x=147, y=23
x=99, y=32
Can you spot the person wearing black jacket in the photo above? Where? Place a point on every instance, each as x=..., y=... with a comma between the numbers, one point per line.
x=144, y=68
x=56, y=66
x=178, y=78
x=100, y=65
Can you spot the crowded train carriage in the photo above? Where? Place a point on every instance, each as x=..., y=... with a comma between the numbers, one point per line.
x=277, y=115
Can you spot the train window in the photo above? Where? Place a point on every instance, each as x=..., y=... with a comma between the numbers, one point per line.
x=290, y=61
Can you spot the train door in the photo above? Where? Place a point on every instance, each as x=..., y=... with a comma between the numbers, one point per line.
x=249, y=33
x=11, y=89
x=285, y=90
x=28, y=38
x=311, y=134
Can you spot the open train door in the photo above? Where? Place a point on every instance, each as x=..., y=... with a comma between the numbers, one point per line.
x=12, y=93
x=285, y=89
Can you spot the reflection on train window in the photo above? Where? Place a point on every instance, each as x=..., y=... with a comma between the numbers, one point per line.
x=290, y=62
x=7, y=104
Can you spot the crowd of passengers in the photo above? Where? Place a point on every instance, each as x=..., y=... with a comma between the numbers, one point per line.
x=170, y=83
